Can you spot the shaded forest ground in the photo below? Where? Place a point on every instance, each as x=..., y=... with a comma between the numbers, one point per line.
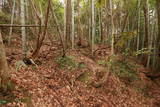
x=68, y=82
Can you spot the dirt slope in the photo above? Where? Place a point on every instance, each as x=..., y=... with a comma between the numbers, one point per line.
x=48, y=85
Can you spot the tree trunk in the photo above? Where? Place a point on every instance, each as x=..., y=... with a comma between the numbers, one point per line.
x=43, y=35
x=158, y=14
x=93, y=25
x=4, y=77
x=12, y=19
x=79, y=24
x=138, y=24
x=112, y=27
x=58, y=29
x=23, y=29
x=1, y=6
x=147, y=33
x=68, y=22
x=100, y=26
x=72, y=24
x=146, y=20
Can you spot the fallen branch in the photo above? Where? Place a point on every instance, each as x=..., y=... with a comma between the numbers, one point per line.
x=16, y=25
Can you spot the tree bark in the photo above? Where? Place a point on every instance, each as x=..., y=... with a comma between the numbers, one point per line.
x=4, y=75
x=72, y=24
x=146, y=20
x=147, y=28
x=23, y=30
x=93, y=26
x=158, y=14
x=112, y=27
x=43, y=35
x=68, y=22
x=12, y=19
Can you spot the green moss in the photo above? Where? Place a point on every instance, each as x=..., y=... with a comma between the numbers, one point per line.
x=66, y=62
x=3, y=102
x=102, y=63
x=81, y=65
x=85, y=77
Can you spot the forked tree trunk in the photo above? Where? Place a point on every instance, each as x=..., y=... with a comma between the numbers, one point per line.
x=42, y=36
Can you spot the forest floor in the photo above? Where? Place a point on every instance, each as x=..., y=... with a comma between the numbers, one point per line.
x=67, y=82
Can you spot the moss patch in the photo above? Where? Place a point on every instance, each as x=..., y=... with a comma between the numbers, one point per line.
x=85, y=77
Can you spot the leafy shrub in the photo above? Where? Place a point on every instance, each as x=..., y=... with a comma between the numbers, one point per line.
x=85, y=77
x=81, y=65
x=102, y=62
x=66, y=62
x=125, y=71
x=122, y=68
x=125, y=36
x=3, y=102
x=143, y=51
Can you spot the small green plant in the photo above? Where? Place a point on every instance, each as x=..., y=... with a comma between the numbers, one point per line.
x=126, y=52
x=34, y=68
x=143, y=51
x=125, y=71
x=85, y=77
x=66, y=62
x=81, y=65
x=3, y=102
x=125, y=36
x=102, y=62
x=142, y=90
x=121, y=68
x=20, y=64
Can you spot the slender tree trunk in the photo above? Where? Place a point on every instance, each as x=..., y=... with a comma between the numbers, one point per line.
x=68, y=22
x=147, y=33
x=155, y=48
x=43, y=35
x=138, y=24
x=100, y=26
x=89, y=22
x=23, y=30
x=72, y=24
x=12, y=19
x=146, y=20
x=158, y=15
x=58, y=29
x=65, y=24
x=1, y=6
x=93, y=25
x=3, y=66
x=79, y=27
x=112, y=27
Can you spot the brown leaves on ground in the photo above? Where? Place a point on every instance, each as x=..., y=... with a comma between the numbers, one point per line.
x=49, y=86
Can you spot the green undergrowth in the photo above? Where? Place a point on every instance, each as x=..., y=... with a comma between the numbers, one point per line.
x=4, y=18
x=69, y=63
x=121, y=68
x=124, y=71
x=9, y=97
x=85, y=77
